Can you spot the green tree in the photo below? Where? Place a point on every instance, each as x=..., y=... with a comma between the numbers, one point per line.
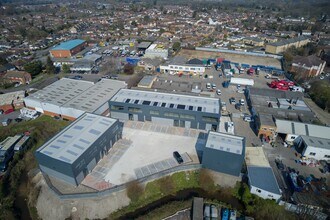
x=176, y=46
x=34, y=68
x=65, y=68
x=3, y=61
x=50, y=68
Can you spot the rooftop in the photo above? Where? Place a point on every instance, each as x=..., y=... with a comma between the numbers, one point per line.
x=299, y=128
x=168, y=100
x=61, y=91
x=144, y=45
x=255, y=156
x=74, y=140
x=9, y=142
x=225, y=142
x=317, y=142
x=68, y=45
x=263, y=178
x=288, y=41
x=8, y=98
x=147, y=81
x=92, y=98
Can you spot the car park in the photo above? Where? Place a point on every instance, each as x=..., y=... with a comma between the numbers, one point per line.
x=177, y=157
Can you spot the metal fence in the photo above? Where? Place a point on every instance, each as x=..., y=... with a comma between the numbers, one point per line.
x=121, y=187
x=238, y=52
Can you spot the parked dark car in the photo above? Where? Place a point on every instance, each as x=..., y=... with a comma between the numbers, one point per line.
x=279, y=164
x=178, y=157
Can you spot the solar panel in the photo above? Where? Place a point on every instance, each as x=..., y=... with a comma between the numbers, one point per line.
x=199, y=109
x=65, y=159
x=77, y=146
x=155, y=104
x=93, y=131
x=163, y=104
x=191, y=107
x=171, y=105
x=127, y=100
x=54, y=146
x=77, y=127
x=136, y=101
x=84, y=141
x=71, y=152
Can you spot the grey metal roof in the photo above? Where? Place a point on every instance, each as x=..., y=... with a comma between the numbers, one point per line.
x=144, y=45
x=139, y=97
x=225, y=142
x=78, y=94
x=298, y=128
x=317, y=142
x=147, y=80
x=61, y=91
x=74, y=140
x=92, y=98
x=263, y=178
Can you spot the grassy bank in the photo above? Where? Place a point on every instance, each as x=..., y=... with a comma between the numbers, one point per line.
x=41, y=129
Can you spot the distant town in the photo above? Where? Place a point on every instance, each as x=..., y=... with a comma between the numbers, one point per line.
x=164, y=110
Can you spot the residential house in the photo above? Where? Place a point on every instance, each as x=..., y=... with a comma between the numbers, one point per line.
x=20, y=77
x=309, y=66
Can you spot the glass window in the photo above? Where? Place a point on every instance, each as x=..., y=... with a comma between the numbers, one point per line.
x=117, y=107
x=154, y=112
x=210, y=119
x=132, y=109
x=171, y=114
x=185, y=116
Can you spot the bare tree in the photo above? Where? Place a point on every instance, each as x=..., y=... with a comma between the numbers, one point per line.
x=134, y=190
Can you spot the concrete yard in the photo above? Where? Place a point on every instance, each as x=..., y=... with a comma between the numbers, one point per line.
x=145, y=149
x=237, y=58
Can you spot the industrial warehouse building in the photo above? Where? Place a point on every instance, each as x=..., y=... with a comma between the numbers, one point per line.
x=73, y=153
x=181, y=65
x=166, y=109
x=313, y=147
x=70, y=98
x=156, y=50
x=224, y=153
x=68, y=48
x=261, y=179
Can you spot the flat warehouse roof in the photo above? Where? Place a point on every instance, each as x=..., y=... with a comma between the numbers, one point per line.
x=317, y=142
x=60, y=91
x=225, y=142
x=74, y=140
x=92, y=98
x=263, y=178
x=298, y=128
x=168, y=100
x=68, y=45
